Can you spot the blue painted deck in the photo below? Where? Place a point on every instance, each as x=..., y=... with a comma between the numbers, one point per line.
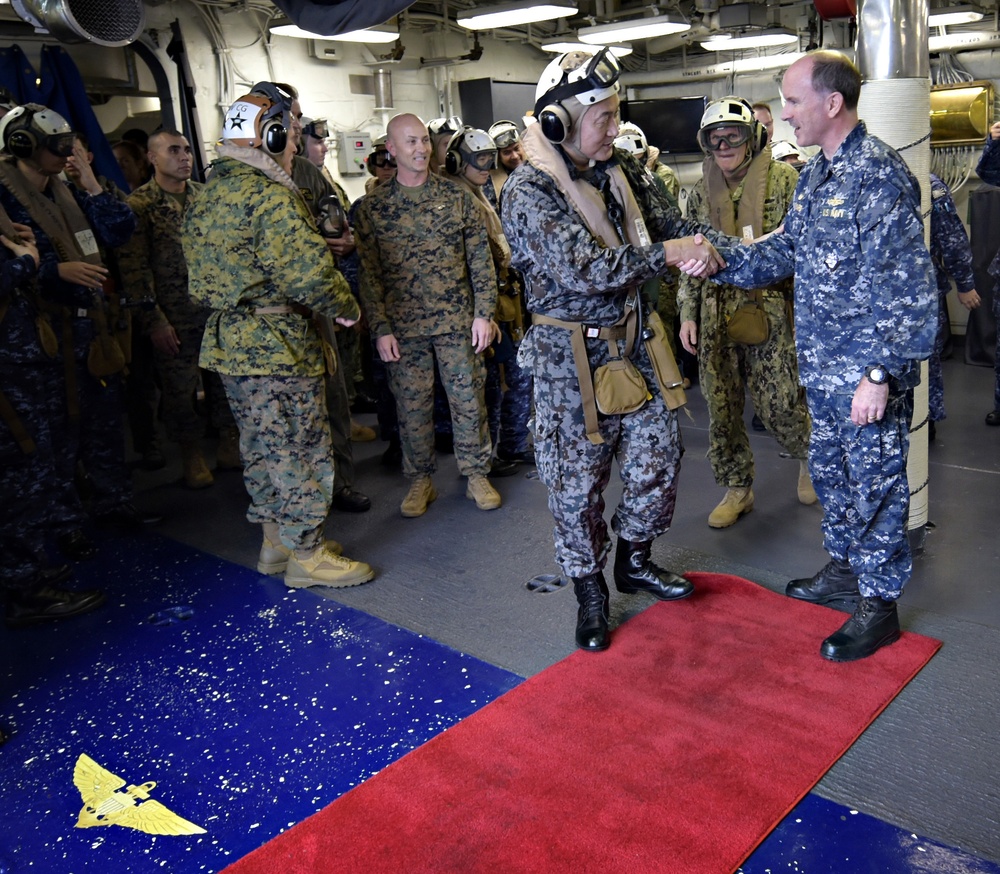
x=253, y=706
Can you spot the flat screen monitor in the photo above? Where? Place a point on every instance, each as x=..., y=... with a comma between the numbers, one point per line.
x=671, y=124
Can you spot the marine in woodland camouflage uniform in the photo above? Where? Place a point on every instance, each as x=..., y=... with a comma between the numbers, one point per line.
x=256, y=258
x=952, y=257
x=727, y=369
x=863, y=297
x=426, y=275
x=153, y=268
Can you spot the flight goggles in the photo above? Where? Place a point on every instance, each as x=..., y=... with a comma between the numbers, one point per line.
x=60, y=144
x=381, y=158
x=506, y=138
x=483, y=160
x=317, y=129
x=728, y=135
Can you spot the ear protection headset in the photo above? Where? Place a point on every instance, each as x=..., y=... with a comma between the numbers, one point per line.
x=593, y=81
x=275, y=122
x=453, y=157
x=26, y=129
x=470, y=146
x=267, y=132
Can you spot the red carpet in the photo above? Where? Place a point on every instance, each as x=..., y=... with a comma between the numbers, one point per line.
x=676, y=751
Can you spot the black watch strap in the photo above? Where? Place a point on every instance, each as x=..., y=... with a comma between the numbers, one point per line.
x=877, y=374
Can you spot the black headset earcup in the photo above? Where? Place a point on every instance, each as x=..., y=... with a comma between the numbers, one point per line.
x=452, y=162
x=760, y=137
x=21, y=143
x=555, y=122
x=370, y=163
x=273, y=137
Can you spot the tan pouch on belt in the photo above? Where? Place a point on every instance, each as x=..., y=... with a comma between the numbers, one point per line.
x=668, y=374
x=619, y=388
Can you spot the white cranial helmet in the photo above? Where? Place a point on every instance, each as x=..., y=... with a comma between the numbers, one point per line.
x=631, y=139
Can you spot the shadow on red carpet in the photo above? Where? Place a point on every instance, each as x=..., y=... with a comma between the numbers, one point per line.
x=678, y=750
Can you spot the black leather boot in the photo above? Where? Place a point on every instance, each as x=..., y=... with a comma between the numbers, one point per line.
x=635, y=572
x=592, y=617
x=836, y=584
x=874, y=624
x=42, y=603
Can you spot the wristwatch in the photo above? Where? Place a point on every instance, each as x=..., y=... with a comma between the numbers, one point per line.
x=876, y=374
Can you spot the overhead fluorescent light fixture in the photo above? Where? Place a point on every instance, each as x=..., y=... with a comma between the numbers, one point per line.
x=945, y=16
x=561, y=47
x=517, y=12
x=384, y=34
x=633, y=29
x=761, y=39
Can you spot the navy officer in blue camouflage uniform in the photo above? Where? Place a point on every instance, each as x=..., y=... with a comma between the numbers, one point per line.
x=865, y=315
x=582, y=221
x=952, y=257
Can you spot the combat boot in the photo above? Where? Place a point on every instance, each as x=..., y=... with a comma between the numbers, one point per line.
x=835, y=584
x=274, y=555
x=736, y=502
x=635, y=572
x=592, y=617
x=805, y=490
x=323, y=567
x=480, y=491
x=227, y=453
x=196, y=472
x=421, y=494
x=874, y=624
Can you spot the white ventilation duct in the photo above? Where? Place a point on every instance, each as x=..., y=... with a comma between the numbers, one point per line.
x=102, y=22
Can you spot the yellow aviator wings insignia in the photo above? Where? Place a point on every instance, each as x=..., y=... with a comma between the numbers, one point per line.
x=104, y=803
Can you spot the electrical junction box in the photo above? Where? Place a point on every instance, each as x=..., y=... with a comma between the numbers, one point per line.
x=353, y=147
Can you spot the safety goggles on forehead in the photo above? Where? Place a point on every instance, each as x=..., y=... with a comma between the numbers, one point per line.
x=60, y=144
x=451, y=125
x=600, y=72
x=728, y=137
x=317, y=129
x=483, y=160
x=507, y=138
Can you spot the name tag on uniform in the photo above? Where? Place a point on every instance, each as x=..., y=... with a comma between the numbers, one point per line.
x=747, y=233
x=87, y=242
x=642, y=235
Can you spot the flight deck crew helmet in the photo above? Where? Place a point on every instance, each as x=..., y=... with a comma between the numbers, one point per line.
x=781, y=150
x=26, y=129
x=588, y=79
x=631, y=139
x=256, y=122
x=735, y=112
x=470, y=146
x=440, y=127
x=505, y=134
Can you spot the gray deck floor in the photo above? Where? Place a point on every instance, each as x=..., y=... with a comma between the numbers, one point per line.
x=928, y=764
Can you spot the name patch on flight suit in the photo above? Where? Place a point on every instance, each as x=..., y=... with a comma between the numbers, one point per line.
x=87, y=241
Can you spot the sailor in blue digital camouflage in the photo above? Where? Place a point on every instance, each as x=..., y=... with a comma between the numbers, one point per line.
x=865, y=316
x=153, y=268
x=429, y=293
x=743, y=193
x=30, y=396
x=582, y=221
x=74, y=227
x=952, y=257
x=255, y=257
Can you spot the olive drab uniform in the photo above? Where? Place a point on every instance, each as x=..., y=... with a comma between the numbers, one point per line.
x=257, y=260
x=864, y=295
x=153, y=268
x=426, y=274
x=728, y=368
x=574, y=276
